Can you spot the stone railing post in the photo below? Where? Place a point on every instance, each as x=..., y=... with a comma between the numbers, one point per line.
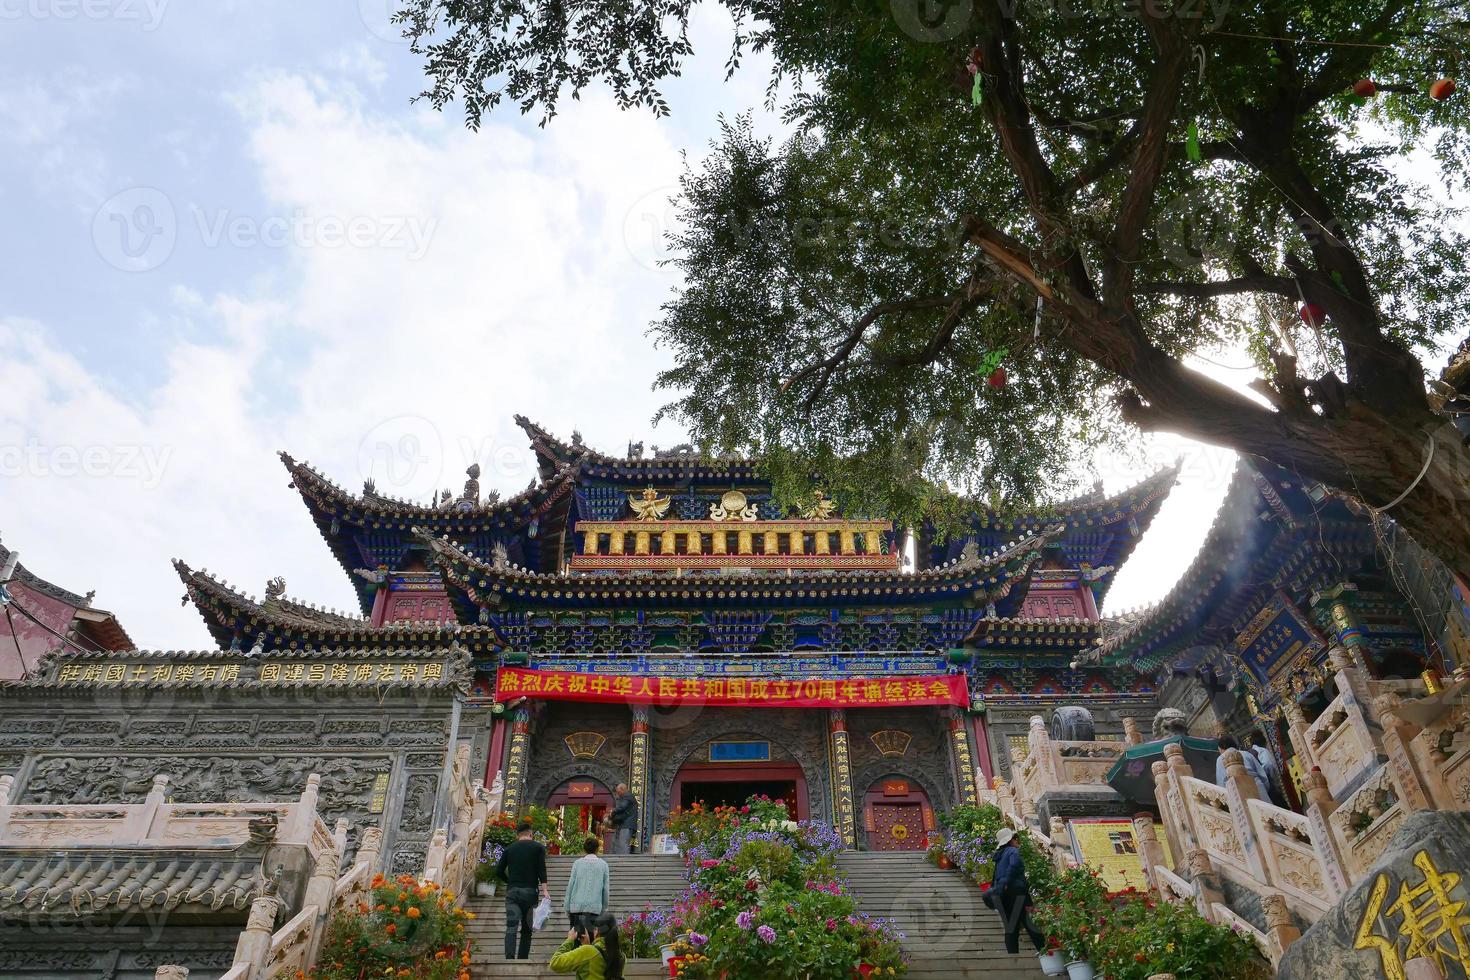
x=1004, y=797
x=1240, y=789
x=434, y=860
x=306, y=810
x=1281, y=930
x=7, y=784
x=140, y=823
x=1061, y=854
x=1149, y=849
x=1131, y=734
x=370, y=847
x=1320, y=806
x=1178, y=771
x=254, y=946
x=1206, y=883
x=171, y=973
x=1417, y=788
x=320, y=888
x=1296, y=732
x=1045, y=752
x=339, y=835
x=1352, y=684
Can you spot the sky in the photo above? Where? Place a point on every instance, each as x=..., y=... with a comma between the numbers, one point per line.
x=229, y=232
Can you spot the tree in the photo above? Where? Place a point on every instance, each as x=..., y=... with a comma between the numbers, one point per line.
x=1132, y=182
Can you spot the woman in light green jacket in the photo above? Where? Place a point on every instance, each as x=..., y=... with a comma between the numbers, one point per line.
x=600, y=957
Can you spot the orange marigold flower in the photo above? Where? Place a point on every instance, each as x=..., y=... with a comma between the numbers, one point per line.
x=390, y=928
x=382, y=908
x=413, y=912
x=396, y=909
x=443, y=954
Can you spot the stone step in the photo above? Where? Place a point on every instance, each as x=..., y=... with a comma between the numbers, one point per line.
x=949, y=932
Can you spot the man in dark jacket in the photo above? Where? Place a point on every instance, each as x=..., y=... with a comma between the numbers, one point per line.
x=1011, y=894
x=624, y=818
x=523, y=866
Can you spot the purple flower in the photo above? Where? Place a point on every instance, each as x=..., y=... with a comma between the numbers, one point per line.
x=695, y=939
x=745, y=919
x=767, y=934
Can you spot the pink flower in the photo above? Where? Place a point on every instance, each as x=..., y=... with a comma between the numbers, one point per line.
x=831, y=925
x=767, y=934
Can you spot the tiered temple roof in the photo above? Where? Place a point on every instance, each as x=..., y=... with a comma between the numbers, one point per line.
x=998, y=579
x=371, y=530
x=1099, y=532
x=41, y=607
x=1275, y=538
x=238, y=620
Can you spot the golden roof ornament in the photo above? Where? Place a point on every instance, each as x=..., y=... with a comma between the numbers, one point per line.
x=733, y=507
x=821, y=507
x=649, y=506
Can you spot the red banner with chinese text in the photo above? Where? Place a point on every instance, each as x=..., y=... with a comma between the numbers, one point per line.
x=741, y=692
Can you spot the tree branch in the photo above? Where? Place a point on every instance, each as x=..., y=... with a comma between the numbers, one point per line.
x=825, y=368
x=1257, y=283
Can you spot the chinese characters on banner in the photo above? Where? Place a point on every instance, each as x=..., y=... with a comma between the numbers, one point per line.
x=745, y=692
x=285, y=672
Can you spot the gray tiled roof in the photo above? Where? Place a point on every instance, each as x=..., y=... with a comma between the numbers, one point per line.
x=89, y=881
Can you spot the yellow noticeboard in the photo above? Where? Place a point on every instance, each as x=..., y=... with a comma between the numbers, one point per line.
x=1108, y=844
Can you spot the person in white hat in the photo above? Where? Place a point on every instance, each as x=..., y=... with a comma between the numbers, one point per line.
x=1011, y=894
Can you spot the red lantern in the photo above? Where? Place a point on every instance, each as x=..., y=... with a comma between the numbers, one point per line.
x=1365, y=88
x=997, y=378
x=1442, y=89
x=1313, y=315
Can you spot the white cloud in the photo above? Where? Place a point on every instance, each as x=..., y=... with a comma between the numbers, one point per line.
x=532, y=295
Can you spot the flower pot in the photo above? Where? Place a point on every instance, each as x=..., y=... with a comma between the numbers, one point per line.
x=673, y=962
x=1079, y=970
x=485, y=889
x=863, y=970
x=666, y=953
x=945, y=863
x=1052, y=962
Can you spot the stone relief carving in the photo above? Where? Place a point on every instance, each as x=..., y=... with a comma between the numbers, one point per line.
x=545, y=780
x=418, y=803
x=345, y=790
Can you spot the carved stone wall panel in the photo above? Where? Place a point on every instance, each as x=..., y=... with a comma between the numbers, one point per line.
x=418, y=803
x=345, y=787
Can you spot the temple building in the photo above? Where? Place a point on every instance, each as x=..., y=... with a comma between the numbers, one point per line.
x=40, y=616
x=662, y=620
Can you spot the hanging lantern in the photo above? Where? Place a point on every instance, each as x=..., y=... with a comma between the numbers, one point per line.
x=1441, y=89
x=997, y=378
x=1313, y=315
x=1364, y=88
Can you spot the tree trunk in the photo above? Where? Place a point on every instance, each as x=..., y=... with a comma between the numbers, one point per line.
x=1417, y=462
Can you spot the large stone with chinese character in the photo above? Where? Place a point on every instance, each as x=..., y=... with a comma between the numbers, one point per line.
x=1415, y=902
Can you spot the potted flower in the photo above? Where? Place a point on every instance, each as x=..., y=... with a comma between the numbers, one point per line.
x=486, y=880
x=1053, y=962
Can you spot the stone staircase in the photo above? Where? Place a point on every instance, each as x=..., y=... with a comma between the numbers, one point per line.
x=637, y=880
x=950, y=933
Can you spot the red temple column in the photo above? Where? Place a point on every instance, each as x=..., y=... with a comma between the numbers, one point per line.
x=497, y=749
x=982, y=748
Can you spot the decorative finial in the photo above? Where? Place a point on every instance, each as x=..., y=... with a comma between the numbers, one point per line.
x=821, y=507
x=275, y=588
x=649, y=506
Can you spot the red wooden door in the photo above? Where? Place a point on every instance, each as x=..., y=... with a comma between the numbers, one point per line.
x=897, y=827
